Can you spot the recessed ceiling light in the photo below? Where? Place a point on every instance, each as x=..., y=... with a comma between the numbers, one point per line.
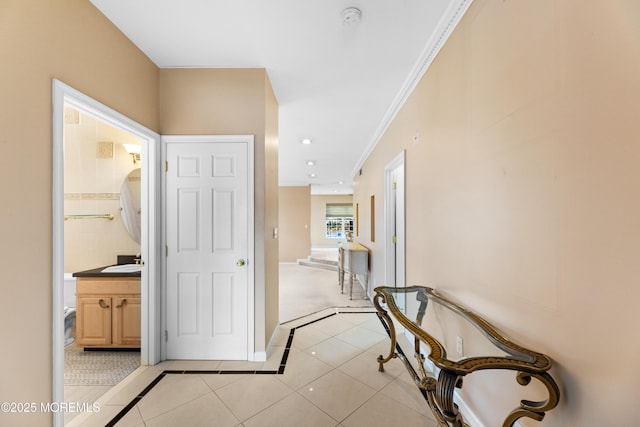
x=306, y=141
x=312, y=175
x=340, y=182
x=311, y=162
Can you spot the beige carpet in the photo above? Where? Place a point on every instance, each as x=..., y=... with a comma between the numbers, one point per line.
x=305, y=290
x=98, y=367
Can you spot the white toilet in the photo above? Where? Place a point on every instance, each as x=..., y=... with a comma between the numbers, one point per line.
x=69, y=308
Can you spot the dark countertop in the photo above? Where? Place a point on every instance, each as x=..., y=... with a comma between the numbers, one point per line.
x=97, y=272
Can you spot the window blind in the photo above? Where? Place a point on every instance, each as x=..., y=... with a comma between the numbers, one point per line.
x=339, y=210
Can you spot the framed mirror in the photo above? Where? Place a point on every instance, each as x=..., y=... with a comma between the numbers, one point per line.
x=130, y=206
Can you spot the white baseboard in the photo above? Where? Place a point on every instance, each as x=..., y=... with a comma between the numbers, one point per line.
x=259, y=356
x=468, y=415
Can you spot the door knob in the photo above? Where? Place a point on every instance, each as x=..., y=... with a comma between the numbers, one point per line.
x=240, y=262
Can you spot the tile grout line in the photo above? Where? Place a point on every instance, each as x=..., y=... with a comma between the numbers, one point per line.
x=135, y=401
x=280, y=370
x=400, y=351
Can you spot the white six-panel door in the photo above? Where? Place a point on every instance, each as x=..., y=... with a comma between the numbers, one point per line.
x=207, y=250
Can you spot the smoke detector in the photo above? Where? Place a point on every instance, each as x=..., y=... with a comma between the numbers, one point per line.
x=351, y=16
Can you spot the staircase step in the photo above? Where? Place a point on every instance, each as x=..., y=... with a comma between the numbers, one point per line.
x=324, y=265
x=324, y=261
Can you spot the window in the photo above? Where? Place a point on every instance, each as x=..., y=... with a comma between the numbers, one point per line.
x=338, y=220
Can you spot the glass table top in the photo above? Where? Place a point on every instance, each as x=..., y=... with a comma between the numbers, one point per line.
x=458, y=337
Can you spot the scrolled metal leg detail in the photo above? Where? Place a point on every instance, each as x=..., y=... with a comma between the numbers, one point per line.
x=429, y=385
x=530, y=409
x=447, y=383
x=384, y=316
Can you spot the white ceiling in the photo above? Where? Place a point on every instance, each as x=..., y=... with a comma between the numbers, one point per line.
x=336, y=84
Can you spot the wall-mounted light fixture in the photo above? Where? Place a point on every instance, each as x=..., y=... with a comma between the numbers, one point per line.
x=134, y=150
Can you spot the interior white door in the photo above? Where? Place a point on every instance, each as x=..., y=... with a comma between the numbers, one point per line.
x=395, y=274
x=398, y=175
x=207, y=250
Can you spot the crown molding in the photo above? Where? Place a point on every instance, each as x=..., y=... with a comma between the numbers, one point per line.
x=443, y=30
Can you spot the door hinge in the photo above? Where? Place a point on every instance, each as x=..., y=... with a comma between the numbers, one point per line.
x=166, y=335
x=395, y=185
x=394, y=239
x=166, y=166
x=166, y=250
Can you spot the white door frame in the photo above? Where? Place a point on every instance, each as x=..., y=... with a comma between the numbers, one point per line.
x=150, y=292
x=391, y=221
x=249, y=140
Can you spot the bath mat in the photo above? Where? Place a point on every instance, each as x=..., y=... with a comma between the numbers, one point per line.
x=98, y=367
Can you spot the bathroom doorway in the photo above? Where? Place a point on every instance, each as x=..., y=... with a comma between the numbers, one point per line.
x=98, y=154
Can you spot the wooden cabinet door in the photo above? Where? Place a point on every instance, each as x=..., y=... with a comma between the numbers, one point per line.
x=126, y=321
x=93, y=321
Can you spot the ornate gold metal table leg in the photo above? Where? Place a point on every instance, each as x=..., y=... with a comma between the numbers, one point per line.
x=446, y=385
x=384, y=316
x=530, y=409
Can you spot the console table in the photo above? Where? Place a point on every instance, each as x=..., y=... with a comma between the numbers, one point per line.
x=459, y=342
x=357, y=263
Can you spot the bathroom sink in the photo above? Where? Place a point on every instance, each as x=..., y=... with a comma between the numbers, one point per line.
x=124, y=268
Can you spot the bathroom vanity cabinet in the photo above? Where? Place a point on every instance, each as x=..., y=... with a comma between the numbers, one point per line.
x=108, y=312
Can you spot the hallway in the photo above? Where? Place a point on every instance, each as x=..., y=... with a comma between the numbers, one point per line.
x=306, y=290
x=321, y=371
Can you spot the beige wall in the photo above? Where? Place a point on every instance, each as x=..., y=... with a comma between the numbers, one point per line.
x=235, y=101
x=92, y=185
x=522, y=194
x=295, y=220
x=318, y=216
x=271, y=212
x=40, y=40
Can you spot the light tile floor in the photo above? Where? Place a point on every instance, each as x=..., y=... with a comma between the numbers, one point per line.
x=330, y=378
